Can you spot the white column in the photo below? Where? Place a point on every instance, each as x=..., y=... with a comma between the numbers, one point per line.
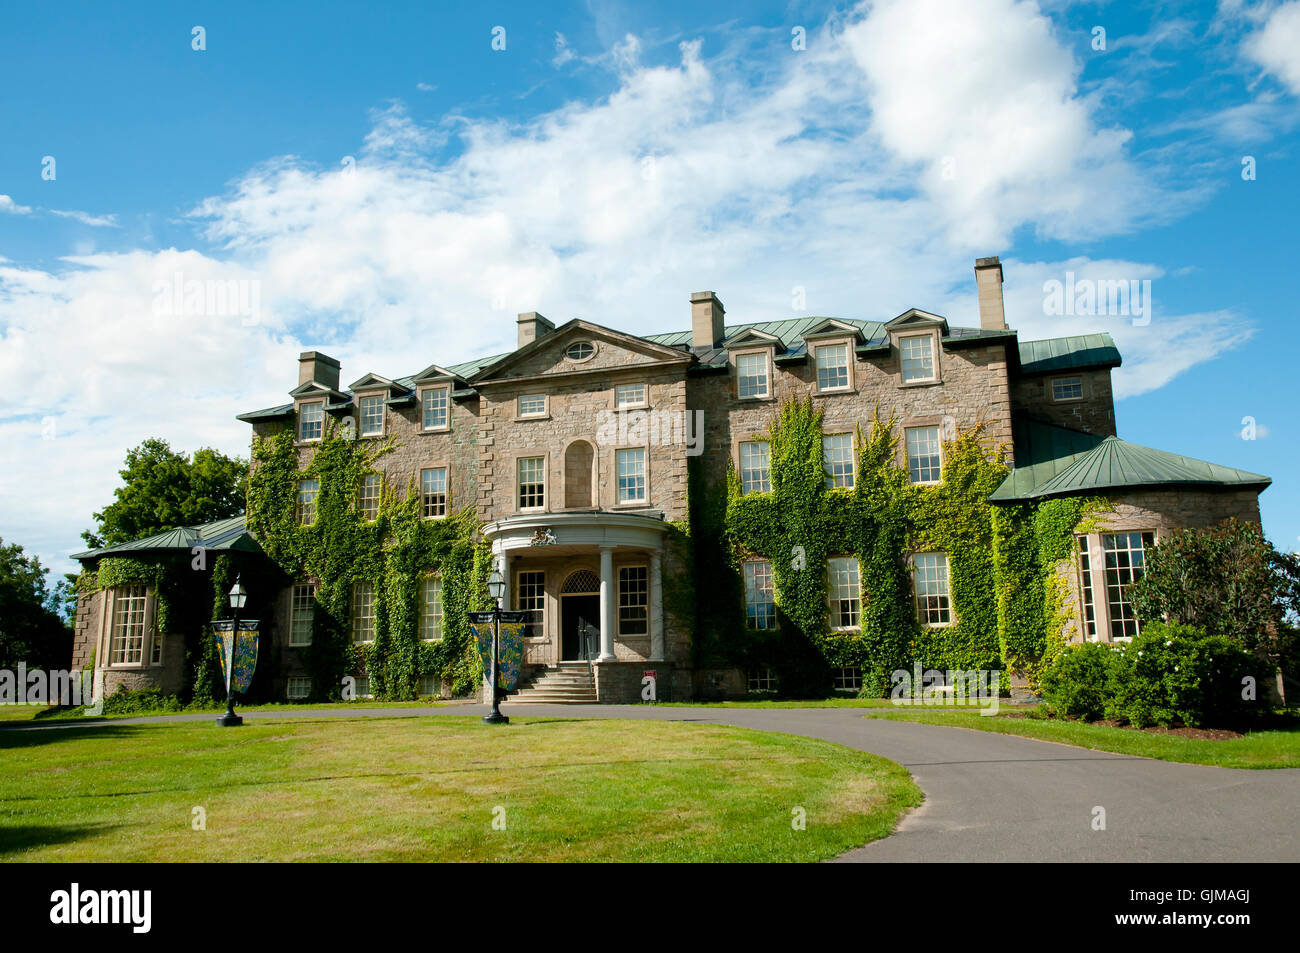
x=608, y=593
x=656, y=608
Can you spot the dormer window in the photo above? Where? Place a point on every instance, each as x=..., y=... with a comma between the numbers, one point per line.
x=580, y=351
x=435, y=404
x=832, y=367
x=311, y=420
x=917, y=352
x=372, y=415
x=751, y=375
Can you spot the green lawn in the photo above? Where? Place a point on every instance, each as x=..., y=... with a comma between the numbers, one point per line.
x=415, y=788
x=1258, y=749
x=43, y=713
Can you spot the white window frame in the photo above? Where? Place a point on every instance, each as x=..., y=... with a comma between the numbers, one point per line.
x=832, y=479
x=847, y=678
x=532, y=414
x=760, y=595
x=1051, y=388
x=318, y=405
x=431, y=616
x=355, y=611
x=761, y=479
x=530, y=597
x=580, y=360
x=303, y=507
x=427, y=498
x=425, y=392
x=907, y=451
x=848, y=367
x=537, y=473
x=902, y=358
x=633, y=582
x=130, y=630
x=362, y=401
x=302, y=682
x=367, y=505
x=766, y=356
x=835, y=567
x=644, y=485
x=931, y=570
x=760, y=681
x=296, y=609
x=639, y=403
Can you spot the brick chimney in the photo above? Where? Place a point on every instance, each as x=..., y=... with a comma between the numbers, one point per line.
x=318, y=367
x=533, y=326
x=988, y=284
x=706, y=319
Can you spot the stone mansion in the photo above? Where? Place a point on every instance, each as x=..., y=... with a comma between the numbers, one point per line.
x=583, y=465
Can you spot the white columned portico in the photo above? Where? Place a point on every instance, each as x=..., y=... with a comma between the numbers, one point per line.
x=608, y=593
x=656, y=608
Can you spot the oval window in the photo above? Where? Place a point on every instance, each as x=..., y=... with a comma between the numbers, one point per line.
x=579, y=351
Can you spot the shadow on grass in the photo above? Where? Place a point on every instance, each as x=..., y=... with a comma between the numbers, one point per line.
x=14, y=840
x=16, y=737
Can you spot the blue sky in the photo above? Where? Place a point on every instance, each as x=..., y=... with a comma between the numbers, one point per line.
x=392, y=190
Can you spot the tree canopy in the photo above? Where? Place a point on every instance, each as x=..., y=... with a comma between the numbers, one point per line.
x=163, y=489
x=32, y=630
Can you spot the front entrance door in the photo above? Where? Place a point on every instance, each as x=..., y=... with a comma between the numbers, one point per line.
x=573, y=608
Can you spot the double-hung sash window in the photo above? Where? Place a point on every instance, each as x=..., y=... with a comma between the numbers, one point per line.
x=930, y=581
x=833, y=367
x=433, y=492
x=845, y=592
x=1067, y=388
x=530, y=599
x=369, y=499
x=630, y=467
x=435, y=405
x=917, y=353
x=760, y=596
x=363, y=612
x=532, y=405
x=307, y=490
x=837, y=460
x=629, y=395
x=1109, y=563
x=633, y=600
x=311, y=420
x=751, y=375
x=302, y=613
x=924, y=457
x=430, y=609
x=532, y=483
x=755, y=467
x=128, y=625
x=372, y=416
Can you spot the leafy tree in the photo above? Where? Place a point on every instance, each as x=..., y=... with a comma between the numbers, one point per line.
x=32, y=629
x=163, y=489
x=1224, y=581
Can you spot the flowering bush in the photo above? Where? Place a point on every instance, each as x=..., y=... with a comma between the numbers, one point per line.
x=1084, y=680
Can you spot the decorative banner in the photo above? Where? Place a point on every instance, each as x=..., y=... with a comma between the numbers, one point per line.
x=238, y=652
x=510, y=654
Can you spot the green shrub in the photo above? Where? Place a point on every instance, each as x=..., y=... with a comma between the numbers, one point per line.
x=1179, y=676
x=133, y=701
x=1084, y=680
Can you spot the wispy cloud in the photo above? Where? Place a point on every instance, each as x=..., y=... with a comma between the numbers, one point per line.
x=8, y=205
x=85, y=218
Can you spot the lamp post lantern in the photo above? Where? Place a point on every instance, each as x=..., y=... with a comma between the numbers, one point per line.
x=496, y=589
x=238, y=598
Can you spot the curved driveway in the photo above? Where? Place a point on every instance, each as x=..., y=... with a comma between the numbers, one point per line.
x=991, y=797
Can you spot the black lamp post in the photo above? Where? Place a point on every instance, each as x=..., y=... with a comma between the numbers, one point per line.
x=496, y=588
x=238, y=597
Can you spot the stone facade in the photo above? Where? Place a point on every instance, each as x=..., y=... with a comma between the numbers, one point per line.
x=1093, y=412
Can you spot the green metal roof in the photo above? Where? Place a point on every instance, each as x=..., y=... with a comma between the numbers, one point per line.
x=1110, y=464
x=1068, y=353
x=226, y=535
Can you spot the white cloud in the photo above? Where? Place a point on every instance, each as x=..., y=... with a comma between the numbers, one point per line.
x=562, y=52
x=7, y=204
x=1275, y=46
x=85, y=218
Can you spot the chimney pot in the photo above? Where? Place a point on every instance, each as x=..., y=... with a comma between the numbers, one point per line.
x=988, y=286
x=707, y=312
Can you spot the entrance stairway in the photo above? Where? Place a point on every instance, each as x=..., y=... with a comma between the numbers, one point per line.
x=569, y=683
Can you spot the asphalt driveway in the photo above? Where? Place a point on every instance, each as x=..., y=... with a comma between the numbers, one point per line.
x=992, y=797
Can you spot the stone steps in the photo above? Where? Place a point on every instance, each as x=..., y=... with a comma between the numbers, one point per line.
x=569, y=683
